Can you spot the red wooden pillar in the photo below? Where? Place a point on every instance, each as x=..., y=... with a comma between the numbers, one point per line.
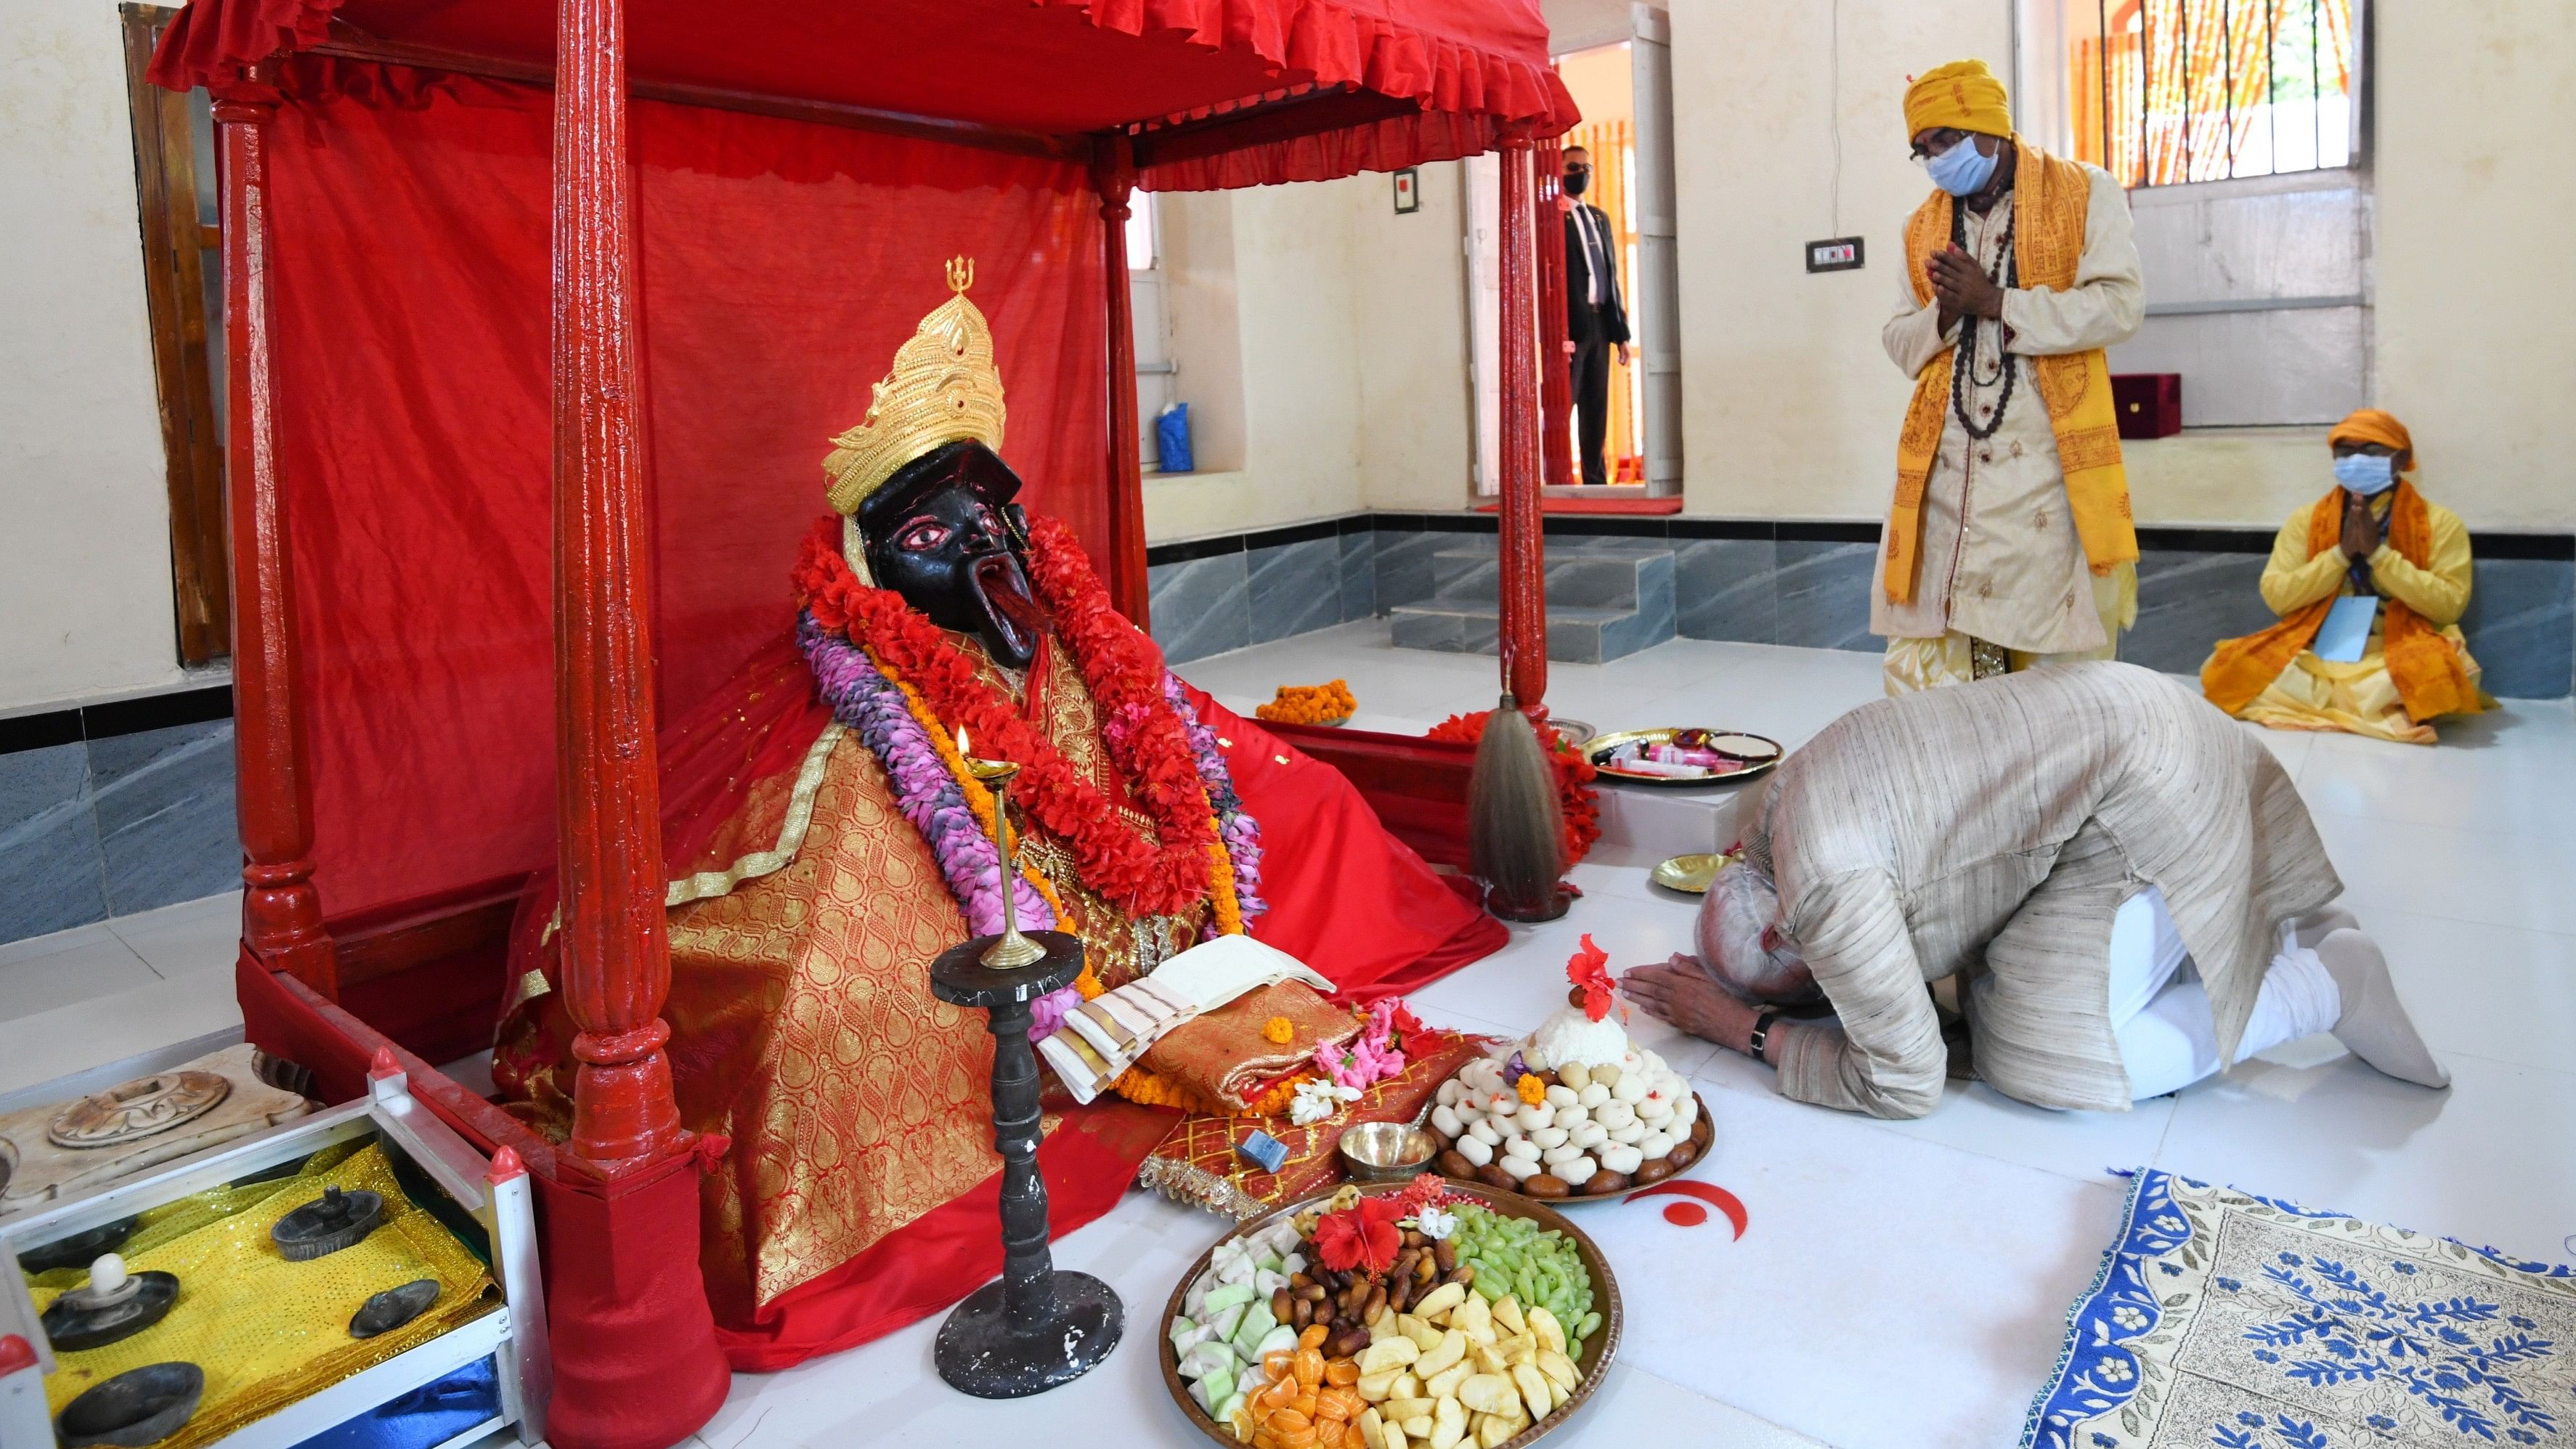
x=1556, y=381
x=281, y=912
x=1114, y=175
x=616, y=957
x=1524, y=586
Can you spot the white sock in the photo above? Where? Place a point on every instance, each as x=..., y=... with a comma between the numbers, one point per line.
x=2374, y=1023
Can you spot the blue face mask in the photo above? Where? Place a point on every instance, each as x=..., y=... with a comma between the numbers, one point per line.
x=1963, y=170
x=2365, y=474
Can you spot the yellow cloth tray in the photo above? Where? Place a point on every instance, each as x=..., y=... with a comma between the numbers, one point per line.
x=268, y=1332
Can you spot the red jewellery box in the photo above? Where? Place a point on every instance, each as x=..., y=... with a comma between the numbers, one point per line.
x=2150, y=403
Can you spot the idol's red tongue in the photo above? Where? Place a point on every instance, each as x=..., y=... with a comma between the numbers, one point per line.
x=1005, y=592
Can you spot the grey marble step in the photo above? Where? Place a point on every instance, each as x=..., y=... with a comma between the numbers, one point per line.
x=1606, y=597
x=1576, y=633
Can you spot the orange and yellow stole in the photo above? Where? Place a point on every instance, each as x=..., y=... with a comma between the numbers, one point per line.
x=2049, y=199
x=2427, y=671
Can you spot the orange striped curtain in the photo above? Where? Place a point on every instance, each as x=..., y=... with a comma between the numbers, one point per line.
x=1614, y=159
x=2193, y=87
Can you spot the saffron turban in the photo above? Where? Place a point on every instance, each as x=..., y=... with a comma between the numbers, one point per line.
x=2370, y=425
x=1963, y=95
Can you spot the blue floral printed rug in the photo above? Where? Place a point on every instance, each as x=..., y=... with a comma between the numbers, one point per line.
x=2221, y=1320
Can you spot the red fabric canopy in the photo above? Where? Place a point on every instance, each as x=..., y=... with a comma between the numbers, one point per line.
x=1461, y=69
x=781, y=265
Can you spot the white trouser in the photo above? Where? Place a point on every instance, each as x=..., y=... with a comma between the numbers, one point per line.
x=2160, y=1013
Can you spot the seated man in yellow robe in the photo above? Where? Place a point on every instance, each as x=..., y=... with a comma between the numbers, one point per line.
x=826, y=844
x=2374, y=546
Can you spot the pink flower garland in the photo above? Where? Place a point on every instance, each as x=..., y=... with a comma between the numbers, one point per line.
x=1235, y=826
x=1375, y=1055
x=867, y=702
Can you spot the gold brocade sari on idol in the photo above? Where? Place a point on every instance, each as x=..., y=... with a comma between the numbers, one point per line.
x=802, y=1022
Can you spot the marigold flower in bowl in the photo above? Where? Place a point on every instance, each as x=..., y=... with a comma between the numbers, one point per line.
x=1329, y=703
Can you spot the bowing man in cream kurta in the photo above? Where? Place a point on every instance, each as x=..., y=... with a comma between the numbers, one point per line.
x=2364, y=696
x=2002, y=564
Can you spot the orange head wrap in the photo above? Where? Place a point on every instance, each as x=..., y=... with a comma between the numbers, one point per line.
x=2370, y=425
x=1963, y=94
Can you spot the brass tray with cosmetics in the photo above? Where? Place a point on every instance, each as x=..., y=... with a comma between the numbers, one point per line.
x=1683, y=757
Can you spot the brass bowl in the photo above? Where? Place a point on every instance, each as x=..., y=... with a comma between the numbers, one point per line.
x=1597, y=1350
x=1690, y=873
x=1386, y=1151
x=1755, y=767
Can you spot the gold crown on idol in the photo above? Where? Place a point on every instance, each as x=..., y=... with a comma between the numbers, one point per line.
x=943, y=388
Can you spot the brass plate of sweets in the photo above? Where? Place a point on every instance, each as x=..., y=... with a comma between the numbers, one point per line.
x=1739, y=757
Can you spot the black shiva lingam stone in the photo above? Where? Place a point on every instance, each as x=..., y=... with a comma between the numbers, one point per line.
x=138, y=1407
x=111, y=1307
x=1034, y=1327
x=324, y=1226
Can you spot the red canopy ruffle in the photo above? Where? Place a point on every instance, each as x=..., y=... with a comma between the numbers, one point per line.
x=1472, y=66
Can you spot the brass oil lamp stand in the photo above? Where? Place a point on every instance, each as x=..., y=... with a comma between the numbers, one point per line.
x=1035, y=1327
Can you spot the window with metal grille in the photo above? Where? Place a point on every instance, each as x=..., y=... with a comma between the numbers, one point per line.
x=2160, y=92
x=2237, y=126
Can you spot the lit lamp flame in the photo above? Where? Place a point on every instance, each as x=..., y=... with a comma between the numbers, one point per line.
x=1011, y=950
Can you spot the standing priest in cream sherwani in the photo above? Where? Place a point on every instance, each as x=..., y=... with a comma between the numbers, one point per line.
x=2125, y=879
x=2009, y=543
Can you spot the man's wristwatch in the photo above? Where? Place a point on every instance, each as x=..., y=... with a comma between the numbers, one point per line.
x=1761, y=1034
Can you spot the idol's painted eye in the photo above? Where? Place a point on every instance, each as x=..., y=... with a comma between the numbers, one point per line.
x=921, y=535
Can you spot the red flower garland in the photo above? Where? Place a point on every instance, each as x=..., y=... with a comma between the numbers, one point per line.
x=1575, y=797
x=1125, y=676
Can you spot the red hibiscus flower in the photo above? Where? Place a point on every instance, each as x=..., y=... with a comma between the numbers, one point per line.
x=1365, y=1238
x=1590, y=969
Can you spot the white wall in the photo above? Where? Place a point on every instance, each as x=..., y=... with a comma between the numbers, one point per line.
x=2477, y=325
x=85, y=594
x=1350, y=328
x=1790, y=406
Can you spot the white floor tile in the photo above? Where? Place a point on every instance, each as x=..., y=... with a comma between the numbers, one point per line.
x=2458, y=875
x=28, y=948
x=2514, y=778
x=139, y=1019
x=1886, y=1292
x=1974, y=1117
x=199, y=935
x=2489, y=991
x=86, y=963
x=2486, y=1161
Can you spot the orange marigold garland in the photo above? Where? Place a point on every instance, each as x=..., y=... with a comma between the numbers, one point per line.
x=1576, y=800
x=1139, y=1085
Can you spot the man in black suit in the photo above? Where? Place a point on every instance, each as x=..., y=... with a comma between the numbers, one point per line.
x=1595, y=321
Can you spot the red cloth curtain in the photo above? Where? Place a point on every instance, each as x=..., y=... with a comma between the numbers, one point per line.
x=782, y=262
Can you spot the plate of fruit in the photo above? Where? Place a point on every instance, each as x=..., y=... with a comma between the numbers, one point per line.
x=1575, y=1110
x=1428, y=1315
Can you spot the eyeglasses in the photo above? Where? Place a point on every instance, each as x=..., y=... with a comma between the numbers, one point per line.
x=1940, y=143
